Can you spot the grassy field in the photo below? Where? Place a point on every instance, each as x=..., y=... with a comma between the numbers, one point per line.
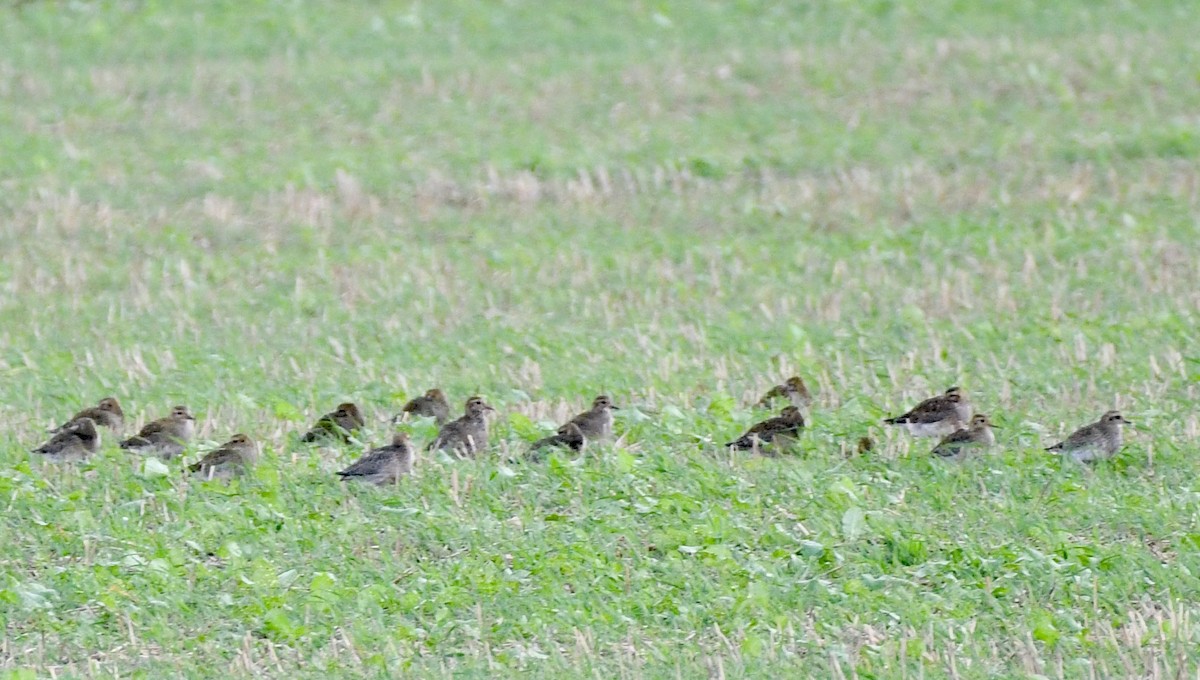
x=262, y=209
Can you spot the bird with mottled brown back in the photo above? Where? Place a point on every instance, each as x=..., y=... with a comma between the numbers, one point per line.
x=76, y=441
x=106, y=413
x=793, y=390
x=962, y=442
x=432, y=404
x=467, y=435
x=227, y=461
x=937, y=416
x=780, y=432
x=1097, y=441
x=165, y=437
x=383, y=465
x=338, y=425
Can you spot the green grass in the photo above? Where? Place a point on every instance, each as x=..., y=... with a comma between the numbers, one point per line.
x=262, y=209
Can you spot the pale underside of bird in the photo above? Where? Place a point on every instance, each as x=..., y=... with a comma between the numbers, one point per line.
x=384, y=465
x=1096, y=441
x=962, y=442
x=76, y=441
x=938, y=416
x=772, y=434
x=165, y=437
x=227, y=461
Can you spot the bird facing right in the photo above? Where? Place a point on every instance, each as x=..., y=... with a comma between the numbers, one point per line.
x=432, y=404
x=780, y=431
x=467, y=435
x=1098, y=441
x=794, y=390
x=75, y=441
x=106, y=413
x=960, y=443
x=569, y=436
x=936, y=416
x=593, y=424
x=384, y=465
x=165, y=437
x=337, y=425
x=227, y=461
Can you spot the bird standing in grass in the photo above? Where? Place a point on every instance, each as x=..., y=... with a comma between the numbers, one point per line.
x=227, y=461
x=568, y=436
x=593, y=424
x=1098, y=441
x=432, y=404
x=165, y=437
x=384, y=465
x=106, y=413
x=779, y=432
x=937, y=416
x=339, y=424
x=959, y=444
x=467, y=435
x=794, y=390
x=75, y=441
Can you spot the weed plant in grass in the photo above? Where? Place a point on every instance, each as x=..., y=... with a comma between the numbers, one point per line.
x=262, y=210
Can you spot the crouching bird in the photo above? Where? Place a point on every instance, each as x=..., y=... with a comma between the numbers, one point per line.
x=778, y=432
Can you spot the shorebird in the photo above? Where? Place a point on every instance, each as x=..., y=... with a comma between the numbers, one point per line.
x=384, y=465
x=794, y=390
x=338, y=424
x=960, y=443
x=780, y=431
x=937, y=416
x=165, y=437
x=106, y=413
x=467, y=435
x=1097, y=441
x=432, y=404
x=569, y=436
x=76, y=441
x=227, y=461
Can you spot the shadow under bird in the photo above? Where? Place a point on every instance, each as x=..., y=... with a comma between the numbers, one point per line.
x=937, y=416
x=593, y=424
x=467, y=435
x=106, y=413
x=960, y=443
x=76, y=441
x=384, y=465
x=793, y=390
x=1098, y=441
x=165, y=437
x=432, y=404
x=339, y=424
x=780, y=431
x=228, y=460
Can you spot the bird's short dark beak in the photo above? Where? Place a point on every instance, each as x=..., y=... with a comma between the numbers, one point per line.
x=614, y=407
